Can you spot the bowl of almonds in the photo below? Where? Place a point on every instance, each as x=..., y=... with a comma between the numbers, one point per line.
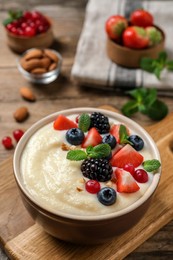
x=41, y=66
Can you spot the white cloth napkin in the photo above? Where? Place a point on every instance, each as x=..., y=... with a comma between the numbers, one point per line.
x=93, y=68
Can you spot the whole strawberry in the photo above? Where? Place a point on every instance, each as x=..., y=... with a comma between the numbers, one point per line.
x=154, y=35
x=115, y=25
x=141, y=18
x=135, y=37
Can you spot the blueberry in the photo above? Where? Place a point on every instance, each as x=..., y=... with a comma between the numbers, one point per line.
x=75, y=136
x=137, y=142
x=109, y=139
x=107, y=196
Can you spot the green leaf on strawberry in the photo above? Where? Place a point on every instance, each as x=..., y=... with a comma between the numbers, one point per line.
x=151, y=165
x=84, y=122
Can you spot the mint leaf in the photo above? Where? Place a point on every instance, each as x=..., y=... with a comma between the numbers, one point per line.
x=99, y=151
x=162, y=57
x=130, y=108
x=76, y=155
x=169, y=65
x=151, y=165
x=146, y=102
x=158, y=110
x=13, y=15
x=147, y=64
x=84, y=122
x=123, y=135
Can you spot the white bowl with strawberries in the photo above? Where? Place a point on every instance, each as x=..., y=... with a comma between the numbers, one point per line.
x=130, y=40
x=28, y=29
x=86, y=174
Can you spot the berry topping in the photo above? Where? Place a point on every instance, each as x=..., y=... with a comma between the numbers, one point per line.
x=63, y=123
x=97, y=169
x=92, y=186
x=75, y=136
x=17, y=134
x=107, y=196
x=129, y=168
x=92, y=138
x=125, y=181
x=27, y=24
x=7, y=142
x=141, y=175
x=137, y=142
x=100, y=122
x=109, y=139
x=125, y=156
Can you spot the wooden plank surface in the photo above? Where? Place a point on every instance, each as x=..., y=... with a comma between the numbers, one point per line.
x=24, y=240
x=68, y=17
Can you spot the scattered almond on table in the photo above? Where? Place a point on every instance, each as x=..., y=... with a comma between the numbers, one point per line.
x=39, y=61
x=27, y=94
x=21, y=114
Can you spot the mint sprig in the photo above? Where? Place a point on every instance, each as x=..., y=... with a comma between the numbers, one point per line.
x=13, y=15
x=151, y=165
x=97, y=152
x=146, y=102
x=123, y=135
x=156, y=66
x=84, y=122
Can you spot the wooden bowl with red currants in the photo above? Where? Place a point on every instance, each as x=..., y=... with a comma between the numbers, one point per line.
x=28, y=29
x=130, y=40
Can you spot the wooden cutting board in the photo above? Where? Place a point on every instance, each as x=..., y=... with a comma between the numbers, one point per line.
x=22, y=239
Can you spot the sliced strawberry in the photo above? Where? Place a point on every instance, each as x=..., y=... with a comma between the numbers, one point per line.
x=92, y=138
x=127, y=155
x=115, y=132
x=125, y=181
x=63, y=123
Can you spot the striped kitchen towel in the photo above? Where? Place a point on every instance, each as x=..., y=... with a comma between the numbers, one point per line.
x=93, y=68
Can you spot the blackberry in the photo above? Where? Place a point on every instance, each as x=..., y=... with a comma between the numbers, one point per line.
x=97, y=169
x=100, y=122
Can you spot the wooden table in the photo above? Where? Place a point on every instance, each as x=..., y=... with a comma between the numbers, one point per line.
x=68, y=17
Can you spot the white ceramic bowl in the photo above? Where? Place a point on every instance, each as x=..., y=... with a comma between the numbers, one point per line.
x=85, y=229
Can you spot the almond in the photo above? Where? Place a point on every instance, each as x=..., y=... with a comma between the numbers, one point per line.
x=51, y=55
x=52, y=66
x=38, y=71
x=21, y=114
x=31, y=64
x=27, y=94
x=36, y=53
x=45, y=62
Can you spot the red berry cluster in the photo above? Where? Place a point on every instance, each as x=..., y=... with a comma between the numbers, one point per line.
x=29, y=25
x=7, y=140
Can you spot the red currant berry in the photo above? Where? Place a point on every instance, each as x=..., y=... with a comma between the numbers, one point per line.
x=7, y=142
x=92, y=186
x=17, y=134
x=27, y=15
x=14, y=30
x=29, y=31
x=141, y=175
x=77, y=119
x=129, y=168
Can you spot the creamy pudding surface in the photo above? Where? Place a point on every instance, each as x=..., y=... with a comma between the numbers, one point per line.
x=58, y=183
